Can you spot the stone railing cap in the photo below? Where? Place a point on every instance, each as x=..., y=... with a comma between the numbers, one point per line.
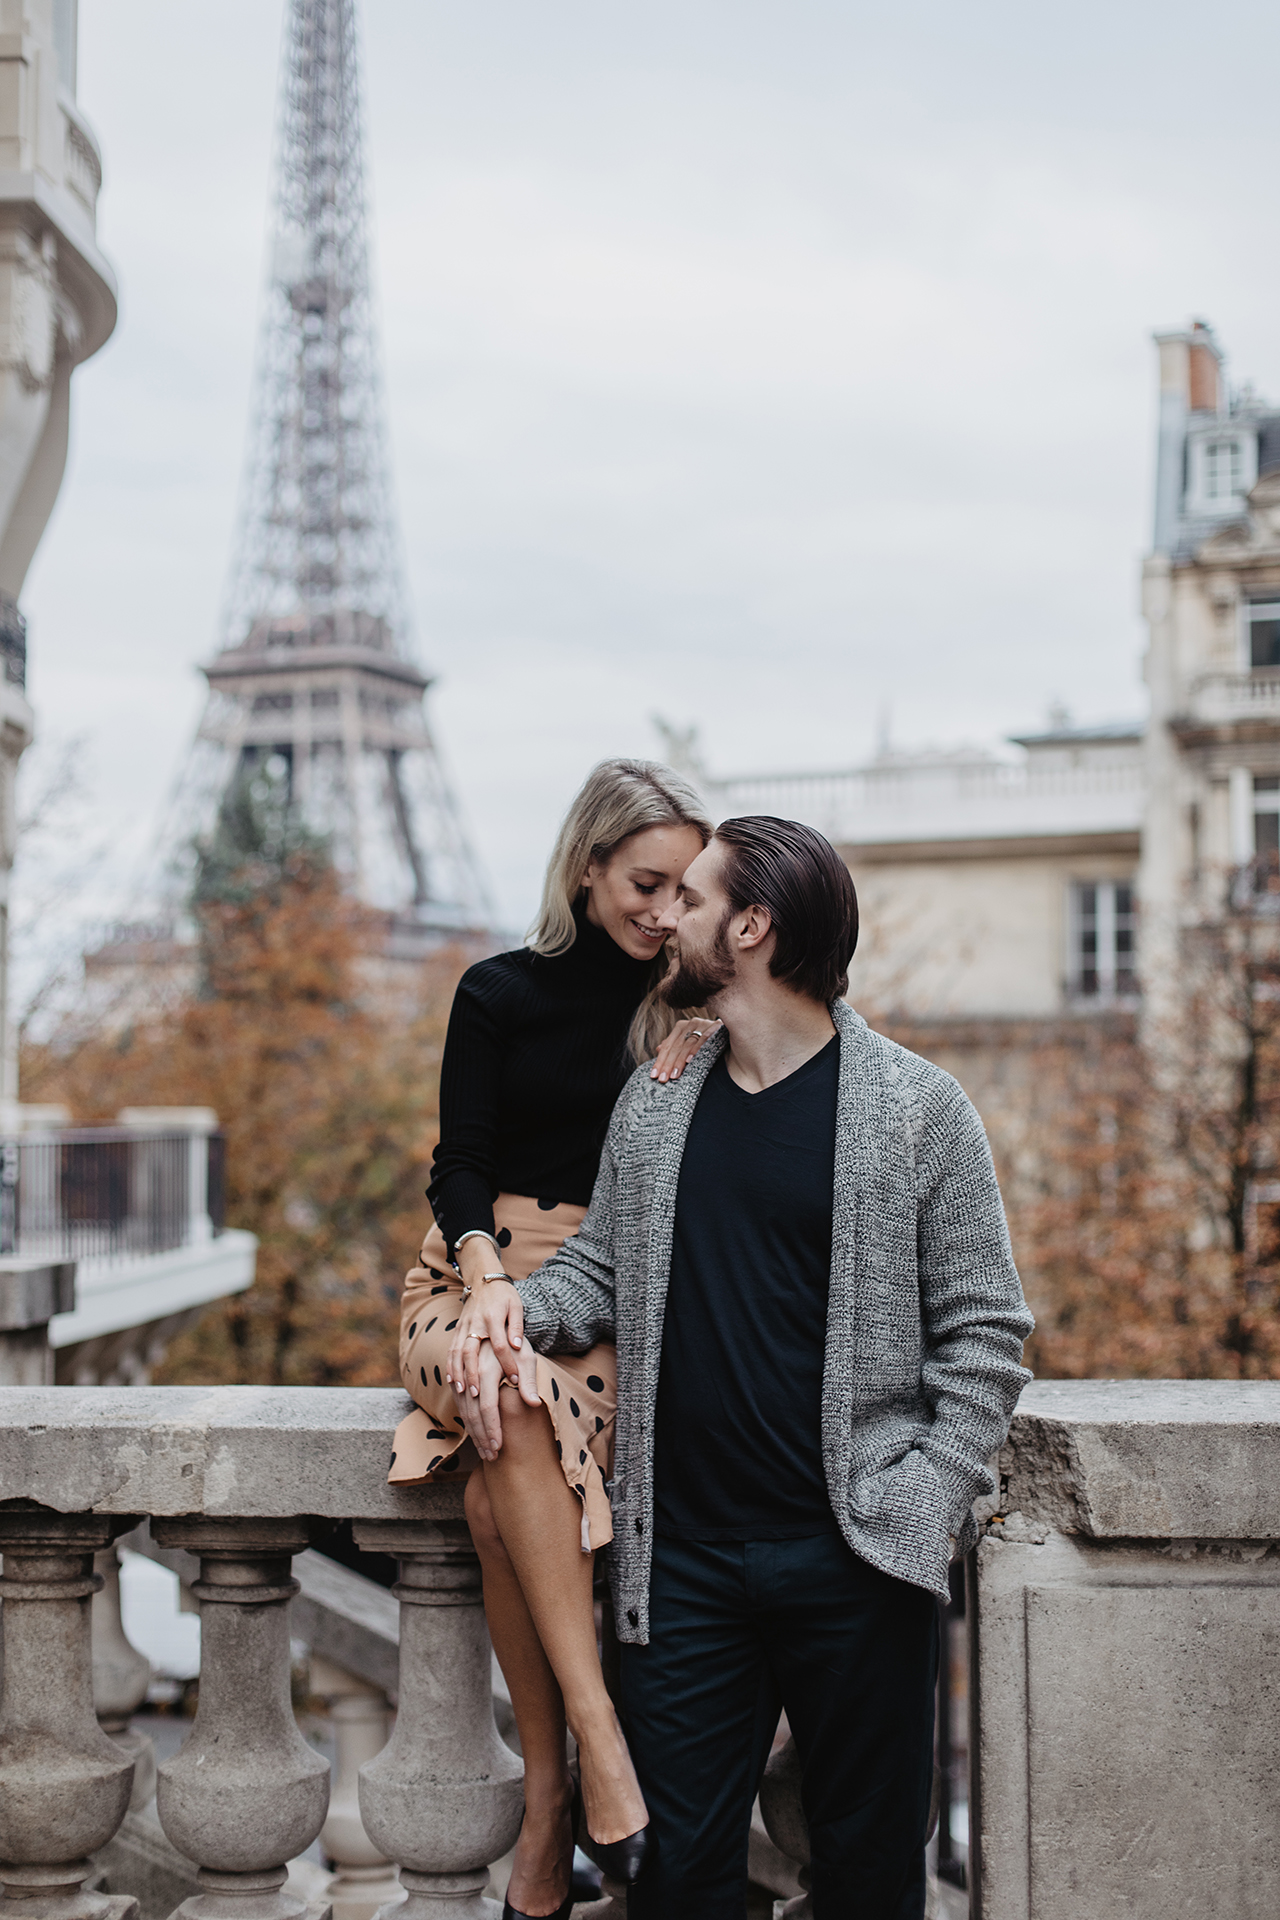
x=269, y=1452
x=1147, y=1459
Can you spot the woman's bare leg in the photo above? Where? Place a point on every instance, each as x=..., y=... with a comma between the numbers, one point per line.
x=538, y=1884
x=539, y=1520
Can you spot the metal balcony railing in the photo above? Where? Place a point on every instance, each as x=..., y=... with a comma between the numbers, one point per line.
x=109, y=1193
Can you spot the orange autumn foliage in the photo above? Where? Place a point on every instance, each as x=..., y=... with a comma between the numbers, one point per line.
x=328, y=1103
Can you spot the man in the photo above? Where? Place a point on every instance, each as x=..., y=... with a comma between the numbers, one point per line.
x=800, y=1249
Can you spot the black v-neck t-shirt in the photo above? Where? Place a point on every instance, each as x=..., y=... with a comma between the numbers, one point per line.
x=738, y=1439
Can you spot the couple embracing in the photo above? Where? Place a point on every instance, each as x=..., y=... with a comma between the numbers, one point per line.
x=732, y=1294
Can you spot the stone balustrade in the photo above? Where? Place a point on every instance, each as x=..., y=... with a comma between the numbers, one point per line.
x=236, y=1477
x=1124, y=1618
x=1124, y=1614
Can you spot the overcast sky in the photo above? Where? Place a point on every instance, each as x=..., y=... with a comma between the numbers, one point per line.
x=770, y=366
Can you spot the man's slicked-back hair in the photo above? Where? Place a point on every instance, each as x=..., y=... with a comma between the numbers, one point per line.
x=806, y=887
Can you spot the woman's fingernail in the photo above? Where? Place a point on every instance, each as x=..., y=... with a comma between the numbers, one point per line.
x=516, y=1340
x=475, y=1393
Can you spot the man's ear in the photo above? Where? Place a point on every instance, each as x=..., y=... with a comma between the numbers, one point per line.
x=755, y=924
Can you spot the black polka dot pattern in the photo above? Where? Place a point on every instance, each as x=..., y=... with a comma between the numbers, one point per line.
x=578, y=1391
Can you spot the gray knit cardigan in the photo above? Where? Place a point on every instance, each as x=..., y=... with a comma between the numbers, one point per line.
x=925, y=1316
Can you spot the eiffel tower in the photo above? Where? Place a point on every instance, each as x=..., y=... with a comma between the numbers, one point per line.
x=315, y=682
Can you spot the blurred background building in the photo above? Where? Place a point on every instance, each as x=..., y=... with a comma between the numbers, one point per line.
x=111, y=1239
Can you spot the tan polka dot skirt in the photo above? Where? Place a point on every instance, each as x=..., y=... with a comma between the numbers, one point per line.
x=579, y=1391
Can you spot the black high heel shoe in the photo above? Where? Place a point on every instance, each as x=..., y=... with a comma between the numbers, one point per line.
x=565, y=1908
x=621, y=1861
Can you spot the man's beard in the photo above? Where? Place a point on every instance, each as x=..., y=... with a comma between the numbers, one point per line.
x=691, y=983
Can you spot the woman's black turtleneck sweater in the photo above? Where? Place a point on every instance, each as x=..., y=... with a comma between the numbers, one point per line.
x=535, y=1056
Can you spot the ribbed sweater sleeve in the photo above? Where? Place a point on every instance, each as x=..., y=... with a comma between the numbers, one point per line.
x=462, y=1176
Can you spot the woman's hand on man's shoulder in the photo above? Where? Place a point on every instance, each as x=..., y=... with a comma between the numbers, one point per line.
x=679, y=1047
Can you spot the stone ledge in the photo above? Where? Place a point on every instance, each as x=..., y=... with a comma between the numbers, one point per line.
x=1146, y=1459
x=33, y=1291
x=251, y=1452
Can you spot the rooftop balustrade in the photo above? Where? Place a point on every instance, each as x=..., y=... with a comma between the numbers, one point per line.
x=1124, y=1611
x=952, y=798
x=1222, y=698
x=108, y=1194
x=112, y=1239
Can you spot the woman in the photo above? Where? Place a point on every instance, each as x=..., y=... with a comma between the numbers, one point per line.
x=540, y=1044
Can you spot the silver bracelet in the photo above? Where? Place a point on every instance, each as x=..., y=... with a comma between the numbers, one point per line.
x=468, y=1289
x=473, y=1233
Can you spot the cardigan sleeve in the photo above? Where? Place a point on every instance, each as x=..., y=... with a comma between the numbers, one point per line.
x=974, y=1316
x=463, y=1179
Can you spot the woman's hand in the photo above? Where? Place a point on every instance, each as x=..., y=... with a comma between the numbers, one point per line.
x=488, y=1349
x=494, y=1313
x=679, y=1047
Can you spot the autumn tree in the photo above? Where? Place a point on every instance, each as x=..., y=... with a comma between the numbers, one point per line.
x=327, y=1097
x=1152, y=1246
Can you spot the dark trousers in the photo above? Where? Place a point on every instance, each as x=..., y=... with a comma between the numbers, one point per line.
x=737, y=1632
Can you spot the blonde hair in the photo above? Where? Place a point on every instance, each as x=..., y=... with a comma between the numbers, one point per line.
x=617, y=798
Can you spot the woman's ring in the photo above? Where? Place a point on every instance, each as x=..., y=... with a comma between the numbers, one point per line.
x=699, y=1034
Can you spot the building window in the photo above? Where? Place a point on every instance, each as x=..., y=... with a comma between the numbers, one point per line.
x=1103, y=925
x=1266, y=824
x=1223, y=469
x=1264, y=634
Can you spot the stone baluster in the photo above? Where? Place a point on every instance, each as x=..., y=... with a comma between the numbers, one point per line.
x=444, y=1797
x=783, y=1814
x=360, y=1714
x=64, y=1785
x=120, y=1677
x=245, y=1794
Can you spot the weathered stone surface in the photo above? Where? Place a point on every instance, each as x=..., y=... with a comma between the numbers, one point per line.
x=269, y=1452
x=64, y=1786
x=1122, y=1762
x=32, y=1291
x=245, y=1793
x=1146, y=1459
x=1187, y=1683
x=445, y=1795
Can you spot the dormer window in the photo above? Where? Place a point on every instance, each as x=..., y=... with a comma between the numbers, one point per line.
x=1223, y=469
x=1222, y=465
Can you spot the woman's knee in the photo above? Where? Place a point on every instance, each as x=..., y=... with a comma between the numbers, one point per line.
x=526, y=1430
x=484, y=1528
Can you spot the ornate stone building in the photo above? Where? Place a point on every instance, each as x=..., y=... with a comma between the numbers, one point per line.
x=1211, y=595
x=57, y=307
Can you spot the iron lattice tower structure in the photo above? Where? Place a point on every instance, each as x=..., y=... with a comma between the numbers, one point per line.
x=315, y=678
